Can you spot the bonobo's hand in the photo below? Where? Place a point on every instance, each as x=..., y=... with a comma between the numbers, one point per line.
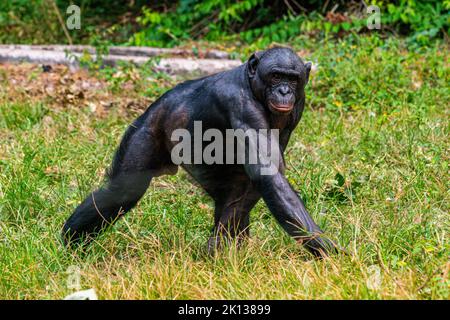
x=321, y=247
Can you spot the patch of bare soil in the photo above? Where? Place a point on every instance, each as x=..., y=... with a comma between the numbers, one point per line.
x=60, y=87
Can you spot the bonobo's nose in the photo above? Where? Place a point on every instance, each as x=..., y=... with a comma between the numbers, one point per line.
x=284, y=90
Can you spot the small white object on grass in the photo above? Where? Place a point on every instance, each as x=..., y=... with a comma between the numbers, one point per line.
x=82, y=295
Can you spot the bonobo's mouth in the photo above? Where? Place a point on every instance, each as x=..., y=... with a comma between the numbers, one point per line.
x=280, y=108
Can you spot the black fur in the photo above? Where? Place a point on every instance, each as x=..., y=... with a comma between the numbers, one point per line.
x=267, y=92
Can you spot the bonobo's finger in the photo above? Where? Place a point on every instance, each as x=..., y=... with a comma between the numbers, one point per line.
x=321, y=247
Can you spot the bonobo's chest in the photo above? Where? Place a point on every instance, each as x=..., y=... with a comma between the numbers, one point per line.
x=280, y=122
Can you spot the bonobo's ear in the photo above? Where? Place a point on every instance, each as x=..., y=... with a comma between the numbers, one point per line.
x=307, y=71
x=253, y=63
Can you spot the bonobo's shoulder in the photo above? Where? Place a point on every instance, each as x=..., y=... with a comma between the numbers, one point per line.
x=221, y=90
x=222, y=81
x=231, y=84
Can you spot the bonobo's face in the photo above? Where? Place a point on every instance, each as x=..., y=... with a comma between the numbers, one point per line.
x=278, y=77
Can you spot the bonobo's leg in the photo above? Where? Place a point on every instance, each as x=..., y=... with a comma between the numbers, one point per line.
x=232, y=215
x=137, y=160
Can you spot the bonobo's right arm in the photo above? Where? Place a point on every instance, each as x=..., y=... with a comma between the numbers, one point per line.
x=280, y=197
x=289, y=210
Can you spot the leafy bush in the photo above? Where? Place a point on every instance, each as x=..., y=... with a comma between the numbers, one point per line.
x=23, y=20
x=37, y=22
x=422, y=20
x=257, y=22
x=211, y=19
x=266, y=22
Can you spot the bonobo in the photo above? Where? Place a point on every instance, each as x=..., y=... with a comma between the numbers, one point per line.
x=265, y=93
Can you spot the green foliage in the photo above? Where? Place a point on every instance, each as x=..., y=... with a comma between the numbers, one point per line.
x=348, y=85
x=23, y=19
x=15, y=116
x=36, y=22
x=222, y=19
x=257, y=22
x=422, y=20
x=191, y=19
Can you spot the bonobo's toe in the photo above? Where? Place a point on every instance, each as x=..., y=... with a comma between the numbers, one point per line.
x=69, y=237
x=73, y=238
x=213, y=245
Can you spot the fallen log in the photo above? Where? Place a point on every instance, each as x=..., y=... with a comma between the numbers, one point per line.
x=174, y=66
x=124, y=51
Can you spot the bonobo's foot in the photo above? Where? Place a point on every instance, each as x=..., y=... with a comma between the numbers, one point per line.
x=72, y=239
x=213, y=245
x=69, y=237
x=217, y=242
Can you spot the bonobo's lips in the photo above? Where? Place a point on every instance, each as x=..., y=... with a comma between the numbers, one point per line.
x=280, y=108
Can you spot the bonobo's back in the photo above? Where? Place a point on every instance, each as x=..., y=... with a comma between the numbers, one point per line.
x=204, y=94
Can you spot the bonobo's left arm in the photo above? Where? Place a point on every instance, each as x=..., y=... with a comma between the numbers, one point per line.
x=280, y=197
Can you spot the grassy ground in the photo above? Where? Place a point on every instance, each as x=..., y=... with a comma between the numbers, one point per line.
x=370, y=158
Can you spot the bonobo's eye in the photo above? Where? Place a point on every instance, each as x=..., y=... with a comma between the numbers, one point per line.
x=275, y=78
x=293, y=81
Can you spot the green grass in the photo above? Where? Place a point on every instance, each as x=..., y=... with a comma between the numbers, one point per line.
x=370, y=158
